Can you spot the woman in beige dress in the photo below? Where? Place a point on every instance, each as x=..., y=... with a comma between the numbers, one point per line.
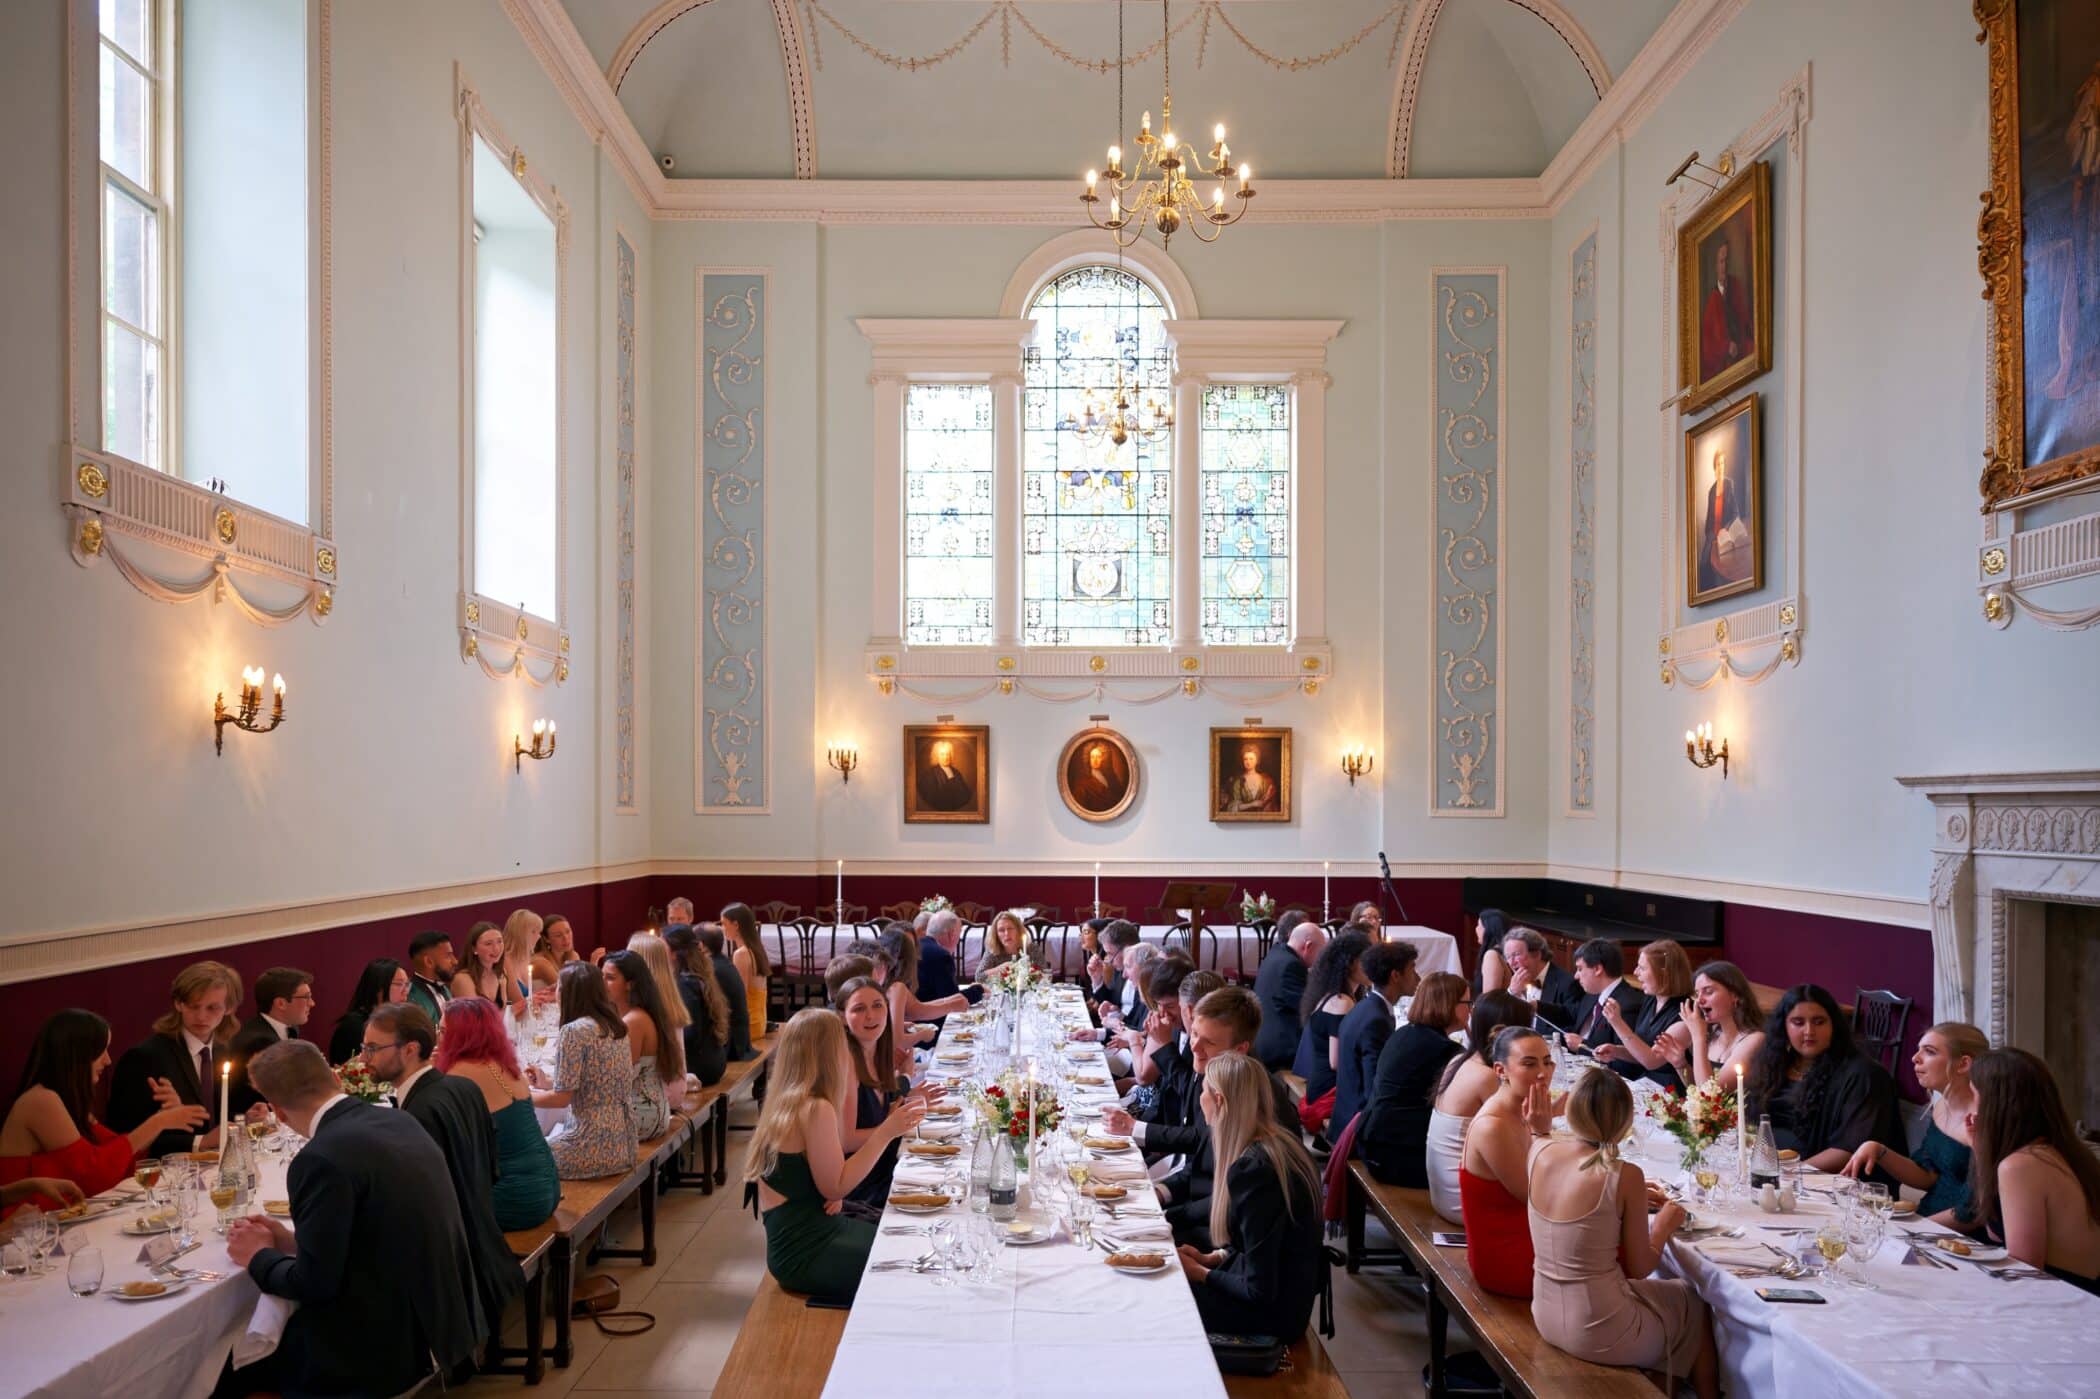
x=1588, y=1211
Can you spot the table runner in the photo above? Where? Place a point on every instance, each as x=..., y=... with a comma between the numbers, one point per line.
x=1043, y=1318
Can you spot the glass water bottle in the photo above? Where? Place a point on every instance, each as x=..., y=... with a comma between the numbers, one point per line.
x=1764, y=1157
x=1005, y=1189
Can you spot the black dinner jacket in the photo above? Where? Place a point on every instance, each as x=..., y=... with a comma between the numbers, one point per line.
x=131, y=1095
x=457, y=1117
x=1280, y=987
x=256, y=1034
x=1189, y=1189
x=1272, y=1272
x=382, y=1275
x=1589, y=1021
x=1364, y=1031
x=1560, y=997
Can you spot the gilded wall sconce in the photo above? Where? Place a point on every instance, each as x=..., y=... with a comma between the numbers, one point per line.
x=249, y=715
x=844, y=757
x=542, y=744
x=1700, y=748
x=1358, y=761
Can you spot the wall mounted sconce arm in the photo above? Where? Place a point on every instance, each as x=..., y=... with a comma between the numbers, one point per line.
x=844, y=757
x=1358, y=762
x=1700, y=748
x=542, y=744
x=248, y=715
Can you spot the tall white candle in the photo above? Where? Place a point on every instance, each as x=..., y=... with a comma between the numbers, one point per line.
x=1326, y=901
x=1742, y=1130
x=838, y=898
x=225, y=1085
x=1031, y=1132
x=1097, y=888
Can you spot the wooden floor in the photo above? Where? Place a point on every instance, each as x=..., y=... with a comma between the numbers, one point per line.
x=711, y=1255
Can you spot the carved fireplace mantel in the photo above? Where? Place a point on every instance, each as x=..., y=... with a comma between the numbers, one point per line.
x=2002, y=843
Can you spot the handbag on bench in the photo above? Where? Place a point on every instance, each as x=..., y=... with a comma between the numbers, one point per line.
x=597, y=1299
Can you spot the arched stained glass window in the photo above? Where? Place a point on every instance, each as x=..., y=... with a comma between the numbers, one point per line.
x=948, y=515
x=1096, y=519
x=1246, y=493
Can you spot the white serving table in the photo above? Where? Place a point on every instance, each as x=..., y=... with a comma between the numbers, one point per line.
x=59, y=1346
x=1036, y=1321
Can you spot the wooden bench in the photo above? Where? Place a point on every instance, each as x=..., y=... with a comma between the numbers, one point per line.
x=528, y=1360
x=1310, y=1375
x=709, y=1111
x=1525, y=1362
x=1294, y=1082
x=784, y=1348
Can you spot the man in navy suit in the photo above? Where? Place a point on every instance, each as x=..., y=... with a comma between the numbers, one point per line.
x=1390, y=968
x=1600, y=971
x=937, y=956
x=1280, y=986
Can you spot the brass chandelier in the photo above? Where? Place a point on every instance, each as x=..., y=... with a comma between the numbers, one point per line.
x=1159, y=192
x=1115, y=422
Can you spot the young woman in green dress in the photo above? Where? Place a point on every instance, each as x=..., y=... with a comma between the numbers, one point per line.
x=798, y=1166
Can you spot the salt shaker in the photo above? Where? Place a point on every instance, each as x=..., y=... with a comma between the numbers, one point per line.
x=1768, y=1198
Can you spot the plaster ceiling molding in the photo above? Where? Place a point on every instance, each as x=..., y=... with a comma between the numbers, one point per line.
x=744, y=66
x=1550, y=59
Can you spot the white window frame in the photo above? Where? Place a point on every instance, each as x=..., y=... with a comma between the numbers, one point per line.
x=1292, y=352
x=498, y=635
x=110, y=501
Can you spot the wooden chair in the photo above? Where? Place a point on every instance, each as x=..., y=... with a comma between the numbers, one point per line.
x=906, y=909
x=1878, y=1019
x=848, y=915
x=778, y=912
x=1262, y=933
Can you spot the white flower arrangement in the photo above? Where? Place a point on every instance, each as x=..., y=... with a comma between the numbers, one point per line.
x=1014, y=978
x=935, y=903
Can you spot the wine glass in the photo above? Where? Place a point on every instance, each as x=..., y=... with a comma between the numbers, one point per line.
x=1706, y=1172
x=1865, y=1228
x=84, y=1272
x=147, y=1171
x=1873, y=1195
x=1832, y=1244
x=223, y=1194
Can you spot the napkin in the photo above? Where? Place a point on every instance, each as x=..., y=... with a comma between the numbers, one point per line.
x=1738, y=1253
x=264, y=1330
x=922, y=1173
x=1121, y=1172
x=1127, y=1230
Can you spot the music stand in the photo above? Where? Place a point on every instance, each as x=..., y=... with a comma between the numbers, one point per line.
x=1199, y=897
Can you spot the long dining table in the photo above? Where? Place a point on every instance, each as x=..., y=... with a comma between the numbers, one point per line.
x=59, y=1346
x=1039, y=1317
x=1948, y=1328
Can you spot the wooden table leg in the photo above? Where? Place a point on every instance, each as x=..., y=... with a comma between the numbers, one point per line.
x=1353, y=1210
x=649, y=1221
x=1439, y=1324
x=536, y=1326
x=564, y=1288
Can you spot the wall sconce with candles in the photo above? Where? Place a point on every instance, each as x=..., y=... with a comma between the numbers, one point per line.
x=542, y=744
x=1699, y=746
x=249, y=715
x=844, y=757
x=1356, y=762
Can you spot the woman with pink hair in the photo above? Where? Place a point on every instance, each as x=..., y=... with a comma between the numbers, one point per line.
x=474, y=1044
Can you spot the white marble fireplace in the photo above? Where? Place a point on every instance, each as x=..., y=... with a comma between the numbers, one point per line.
x=2006, y=848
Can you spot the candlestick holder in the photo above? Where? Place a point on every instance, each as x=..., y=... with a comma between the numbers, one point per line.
x=844, y=757
x=1703, y=752
x=248, y=716
x=1358, y=762
x=542, y=745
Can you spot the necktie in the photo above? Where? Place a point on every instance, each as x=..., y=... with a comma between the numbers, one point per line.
x=204, y=1076
x=291, y=1033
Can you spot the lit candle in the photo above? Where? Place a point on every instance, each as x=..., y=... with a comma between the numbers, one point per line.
x=278, y=685
x=838, y=897
x=1326, y=902
x=1092, y=179
x=225, y=1086
x=1742, y=1129
x=1097, y=888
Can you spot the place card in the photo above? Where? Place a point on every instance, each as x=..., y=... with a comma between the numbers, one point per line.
x=158, y=1251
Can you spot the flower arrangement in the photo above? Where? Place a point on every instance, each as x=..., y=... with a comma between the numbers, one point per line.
x=935, y=903
x=1697, y=1117
x=1014, y=978
x=1005, y=1105
x=358, y=1082
x=1257, y=908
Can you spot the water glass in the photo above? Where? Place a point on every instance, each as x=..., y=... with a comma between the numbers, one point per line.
x=1865, y=1229
x=84, y=1272
x=39, y=1235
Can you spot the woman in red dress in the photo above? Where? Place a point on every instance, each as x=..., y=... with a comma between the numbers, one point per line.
x=1493, y=1180
x=49, y=1130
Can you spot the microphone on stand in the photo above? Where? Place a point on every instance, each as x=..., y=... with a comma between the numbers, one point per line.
x=1385, y=873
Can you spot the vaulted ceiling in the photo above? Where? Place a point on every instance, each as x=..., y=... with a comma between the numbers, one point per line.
x=1026, y=89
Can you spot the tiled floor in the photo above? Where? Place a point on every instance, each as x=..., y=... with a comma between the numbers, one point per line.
x=711, y=1255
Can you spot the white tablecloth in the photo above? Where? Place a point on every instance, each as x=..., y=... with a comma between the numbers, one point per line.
x=58, y=1346
x=1225, y=949
x=1927, y=1332
x=1049, y=1320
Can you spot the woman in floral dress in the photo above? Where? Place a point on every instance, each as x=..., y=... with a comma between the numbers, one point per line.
x=593, y=1078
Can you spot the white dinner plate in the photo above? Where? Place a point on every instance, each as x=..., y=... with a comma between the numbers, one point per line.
x=1164, y=1264
x=919, y=1209
x=1978, y=1252
x=173, y=1286
x=140, y=1228
x=1040, y=1236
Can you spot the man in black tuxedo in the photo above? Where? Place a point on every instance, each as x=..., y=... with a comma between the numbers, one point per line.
x=182, y=1057
x=431, y=962
x=1280, y=986
x=378, y=1262
x=1599, y=971
x=286, y=998
x=1227, y=1019
x=937, y=979
x=1390, y=968
x=399, y=1040
x=1535, y=977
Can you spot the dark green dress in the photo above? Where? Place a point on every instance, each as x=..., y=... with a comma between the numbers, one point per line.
x=808, y=1250
x=527, y=1187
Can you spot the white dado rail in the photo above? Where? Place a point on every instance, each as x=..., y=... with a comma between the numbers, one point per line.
x=2004, y=844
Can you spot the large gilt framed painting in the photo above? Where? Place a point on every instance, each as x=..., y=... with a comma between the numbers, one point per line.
x=1724, y=290
x=1724, y=546
x=947, y=773
x=2038, y=244
x=1250, y=774
x=1097, y=774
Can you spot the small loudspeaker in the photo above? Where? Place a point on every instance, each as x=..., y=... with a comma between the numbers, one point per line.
x=668, y=161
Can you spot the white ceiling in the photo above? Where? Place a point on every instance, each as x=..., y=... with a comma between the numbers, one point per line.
x=1501, y=86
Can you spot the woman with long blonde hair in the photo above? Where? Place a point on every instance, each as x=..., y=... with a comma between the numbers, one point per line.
x=1593, y=1249
x=796, y=1170
x=1264, y=1211
x=521, y=934
x=1940, y=1166
x=653, y=951
x=1008, y=940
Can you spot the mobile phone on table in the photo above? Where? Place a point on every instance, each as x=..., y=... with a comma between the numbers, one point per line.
x=1449, y=1239
x=1790, y=1294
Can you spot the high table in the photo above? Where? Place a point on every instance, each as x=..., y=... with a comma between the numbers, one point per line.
x=59, y=1346
x=1926, y=1332
x=1045, y=1317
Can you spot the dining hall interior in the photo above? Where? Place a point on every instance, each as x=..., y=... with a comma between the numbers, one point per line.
x=1345, y=696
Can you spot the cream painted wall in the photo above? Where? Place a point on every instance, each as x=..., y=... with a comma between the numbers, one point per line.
x=393, y=771
x=1899, y=673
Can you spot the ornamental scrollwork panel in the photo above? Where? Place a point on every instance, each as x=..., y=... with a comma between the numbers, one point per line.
x=2039, y=830
x=1582, y=528
x=733, y=438
x=1466, y=631
x=624, y=570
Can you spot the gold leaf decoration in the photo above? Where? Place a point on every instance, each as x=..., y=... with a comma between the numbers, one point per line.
x=224, y=525
x=94, y=482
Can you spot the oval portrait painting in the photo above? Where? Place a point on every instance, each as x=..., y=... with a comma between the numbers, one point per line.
x=1097, y=775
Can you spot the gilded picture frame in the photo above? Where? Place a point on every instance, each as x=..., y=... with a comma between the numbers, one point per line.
x=1715, y=311
x=2042, y=424
x=1244, y=790
x=947, y=773
x=1724, y=513
x=1098, y=775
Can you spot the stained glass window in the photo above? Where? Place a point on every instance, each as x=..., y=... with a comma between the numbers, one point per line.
x=948, y=515
x=1246, y=522
x=1096, y=519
